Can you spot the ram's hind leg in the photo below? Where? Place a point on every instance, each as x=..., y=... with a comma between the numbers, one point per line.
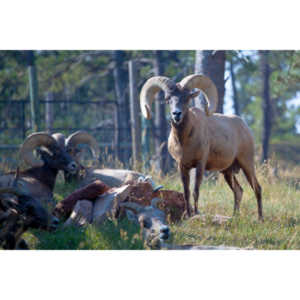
x=236, y=188
x=251, y=177
x=249, y=172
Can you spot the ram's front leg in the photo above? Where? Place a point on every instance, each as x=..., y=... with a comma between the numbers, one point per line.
x=185, y=178
x=198, y=180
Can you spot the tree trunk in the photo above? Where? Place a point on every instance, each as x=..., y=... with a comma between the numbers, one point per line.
x=266, y=103
x=235, y=93
x=212, y=64
x=161, y=152
x=121, y=113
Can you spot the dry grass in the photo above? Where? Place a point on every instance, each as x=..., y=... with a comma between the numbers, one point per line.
x=281, y=205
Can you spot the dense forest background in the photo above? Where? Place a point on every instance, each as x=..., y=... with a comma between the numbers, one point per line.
x=92, y=90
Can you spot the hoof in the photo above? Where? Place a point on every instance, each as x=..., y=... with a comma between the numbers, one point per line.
x=196, y=212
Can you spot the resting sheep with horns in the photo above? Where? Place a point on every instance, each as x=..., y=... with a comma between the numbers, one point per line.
x=204, y=140
x=39, y=179
x=86, y=175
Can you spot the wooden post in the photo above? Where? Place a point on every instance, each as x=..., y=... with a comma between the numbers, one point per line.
x=49, y=111
x=161, y=152
x=146, y=124
x=134, y=114
x=23, y=120
x=122, y=113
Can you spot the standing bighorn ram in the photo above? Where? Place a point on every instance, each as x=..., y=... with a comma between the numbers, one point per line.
x=204, y=140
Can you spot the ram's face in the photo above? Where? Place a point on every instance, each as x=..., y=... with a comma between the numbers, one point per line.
x=178, y=101
x=58, y=158
x=152, y=222
x=35, y=215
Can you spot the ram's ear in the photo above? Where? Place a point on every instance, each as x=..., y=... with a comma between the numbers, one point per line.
x=194, y=94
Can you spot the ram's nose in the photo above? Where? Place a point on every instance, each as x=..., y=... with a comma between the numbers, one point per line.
x=54, y=223
x=72, y=166
x=176, y=115
x=165, y=233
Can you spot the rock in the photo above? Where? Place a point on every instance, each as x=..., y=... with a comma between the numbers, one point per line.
x=172, y=202
x=141, y=193
x=107, y=203
x=216, y=219
x=81, y=214
x=199, y=247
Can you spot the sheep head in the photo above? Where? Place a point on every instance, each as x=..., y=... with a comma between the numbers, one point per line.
x=50, y=150
x=72, y=144
x=151, y=220
x=178, y=95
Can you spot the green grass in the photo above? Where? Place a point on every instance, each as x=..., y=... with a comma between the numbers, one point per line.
x=110, y=236
x=281, y=207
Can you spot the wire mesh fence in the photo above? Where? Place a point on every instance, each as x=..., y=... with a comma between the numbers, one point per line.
x=98, y=118
x=65, y=116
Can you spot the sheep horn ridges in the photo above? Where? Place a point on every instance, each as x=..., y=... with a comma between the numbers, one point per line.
x=35, y=140
x=132, y=206
x=149, y=90
x=207, y=86
x=82, y=137
x=10, y=190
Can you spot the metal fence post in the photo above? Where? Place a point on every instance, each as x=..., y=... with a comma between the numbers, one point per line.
x=134, y=113
x=49, y=111
x=33, y=91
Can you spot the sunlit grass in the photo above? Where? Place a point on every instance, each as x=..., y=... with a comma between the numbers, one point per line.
x=281, y=207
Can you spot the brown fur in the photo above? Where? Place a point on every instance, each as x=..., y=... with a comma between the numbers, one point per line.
x=216, y=143
x=90, y=192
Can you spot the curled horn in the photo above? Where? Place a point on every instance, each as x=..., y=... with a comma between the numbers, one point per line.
x=10, y=190
x=149, y=90
x=155, y=201
x=207, y=86
x=8, y=202
x=136, y=208
x=33, y=141
x=82, y=137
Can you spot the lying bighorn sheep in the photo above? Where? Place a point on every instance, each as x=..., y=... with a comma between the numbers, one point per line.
x=18, y=213
x=204, y=140
x=151, y=220
x=85, y=175
x=40, y=178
